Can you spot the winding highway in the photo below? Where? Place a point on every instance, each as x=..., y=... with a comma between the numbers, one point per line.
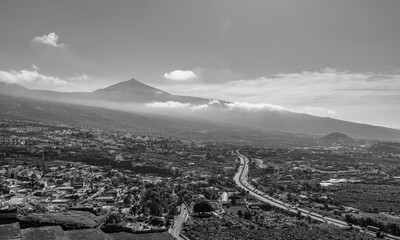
x=175, y=230
x=241, y=179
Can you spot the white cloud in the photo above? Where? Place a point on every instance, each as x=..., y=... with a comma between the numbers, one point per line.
x=168, y=104
x=253, y=106
x=33, y=78
x=180, y=75
x=50, y=39
x=317, y=111
x=199, y=107
x=27, y=76
x=214, y=101
x=332, y=112
x=234, y=106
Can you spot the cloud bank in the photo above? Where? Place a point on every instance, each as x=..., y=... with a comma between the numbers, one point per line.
x=253, y=106
x=327, y=92
x=202, y=107
x=27, y=76
x=328, y=88
x=168, y=104
x=233, y=106
x=35, y=79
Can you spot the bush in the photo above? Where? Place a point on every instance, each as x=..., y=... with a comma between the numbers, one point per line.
x=114, y=218
x=203, y=207
x=247, y=215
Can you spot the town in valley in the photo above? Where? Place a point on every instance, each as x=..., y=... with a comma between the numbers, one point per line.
x=74, y=179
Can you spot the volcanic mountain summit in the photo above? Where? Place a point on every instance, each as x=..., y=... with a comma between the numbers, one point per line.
x=131, y=91
x=138, y=92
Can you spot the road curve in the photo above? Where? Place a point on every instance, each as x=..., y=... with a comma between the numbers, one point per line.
x=176, y=228
x=240, y=179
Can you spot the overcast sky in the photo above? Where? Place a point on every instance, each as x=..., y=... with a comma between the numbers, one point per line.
x=339, y=58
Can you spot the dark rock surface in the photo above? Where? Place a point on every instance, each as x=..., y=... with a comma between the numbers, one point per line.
x=43, y=233
x=145, y=236
x=10, y=231
x=87, y=234
x=67, y=220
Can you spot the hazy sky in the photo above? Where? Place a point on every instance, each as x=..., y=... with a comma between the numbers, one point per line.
x=339, y=58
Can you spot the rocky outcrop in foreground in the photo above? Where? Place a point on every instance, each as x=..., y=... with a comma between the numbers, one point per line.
x=10, y=231
x=67, y=220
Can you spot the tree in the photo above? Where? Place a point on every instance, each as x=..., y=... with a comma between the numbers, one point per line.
x=203, y=207
x=114, y=218
x=213, y=181
x=247, y=215
x=185, y=195
x=234, y=199
x=240, y=213
x=4, y=189
x=40, y=208
x=298, y=214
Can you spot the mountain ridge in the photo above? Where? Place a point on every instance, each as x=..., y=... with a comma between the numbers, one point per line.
x=122, y=95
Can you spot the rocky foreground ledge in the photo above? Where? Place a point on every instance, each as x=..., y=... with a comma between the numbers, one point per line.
x=12, y=231
x=67, y=220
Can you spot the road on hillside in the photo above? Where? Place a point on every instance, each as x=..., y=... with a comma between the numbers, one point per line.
x=241, y=179
x=175, y=230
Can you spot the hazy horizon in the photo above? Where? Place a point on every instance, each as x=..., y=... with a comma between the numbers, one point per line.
x=337, y=59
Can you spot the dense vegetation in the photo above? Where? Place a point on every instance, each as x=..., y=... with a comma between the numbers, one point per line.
x=369, y=197
x=392, y=227
x=219, y=230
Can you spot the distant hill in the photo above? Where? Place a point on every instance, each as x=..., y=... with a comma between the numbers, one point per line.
x=185, y=128
x=385, y=147
x=336, y=138
x=134, y=96
x=20, y=108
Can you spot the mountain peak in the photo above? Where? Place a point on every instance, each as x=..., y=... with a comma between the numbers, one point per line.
x=337, y=137
x=130, y=91
x=132, y=85
x=132, y=81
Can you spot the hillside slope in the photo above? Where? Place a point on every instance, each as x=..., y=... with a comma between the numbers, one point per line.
x=191, y=129
x=134, y=96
